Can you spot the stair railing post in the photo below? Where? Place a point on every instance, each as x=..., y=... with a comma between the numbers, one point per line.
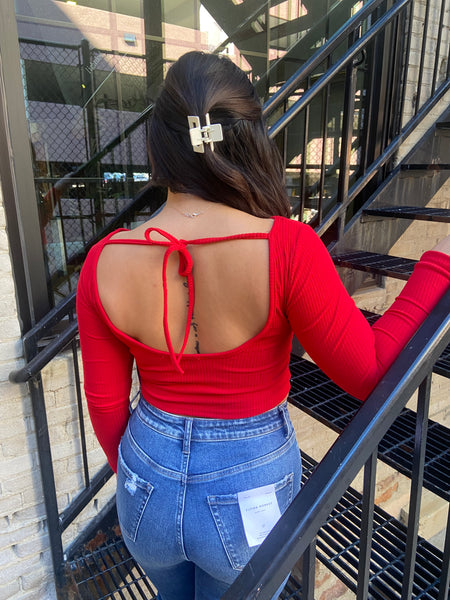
x=48, y=479
x=418, y=466
x=365, y=542
x=346, y=138
x=304, y=165
x=438, y=47
x=444, y=582
x=309, y=572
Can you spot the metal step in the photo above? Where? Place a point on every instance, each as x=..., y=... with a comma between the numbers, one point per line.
x=313, y=392
x=426, y=167
x=440, y=215
x=379, y=264
x=338, y=548
x=108, y=572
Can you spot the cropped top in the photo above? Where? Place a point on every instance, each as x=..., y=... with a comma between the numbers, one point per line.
x=307, y=298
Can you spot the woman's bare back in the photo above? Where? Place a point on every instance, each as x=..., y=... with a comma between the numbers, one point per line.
x=231, y=279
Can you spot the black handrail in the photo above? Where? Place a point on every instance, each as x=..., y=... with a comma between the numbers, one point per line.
x=298, y=526
x=339, y=65
x=341, y=35
x=36, y=364
x=384, y=157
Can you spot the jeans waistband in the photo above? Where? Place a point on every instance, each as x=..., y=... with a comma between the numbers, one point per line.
x=203, y=429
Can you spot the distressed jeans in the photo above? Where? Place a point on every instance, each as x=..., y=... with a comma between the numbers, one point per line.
x=178, y=485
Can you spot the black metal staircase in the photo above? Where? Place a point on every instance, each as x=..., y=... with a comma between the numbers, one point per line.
x=392, y=562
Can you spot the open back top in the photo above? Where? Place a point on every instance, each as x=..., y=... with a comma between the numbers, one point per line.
x=306, y=297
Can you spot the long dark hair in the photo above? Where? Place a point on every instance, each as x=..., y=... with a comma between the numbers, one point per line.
x=245, y=169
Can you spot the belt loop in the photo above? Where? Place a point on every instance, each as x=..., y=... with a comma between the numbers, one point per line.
x=187, y=436
x=286, y=420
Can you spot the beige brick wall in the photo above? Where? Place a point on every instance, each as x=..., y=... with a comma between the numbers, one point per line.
x=26, y=571
x=25, y=563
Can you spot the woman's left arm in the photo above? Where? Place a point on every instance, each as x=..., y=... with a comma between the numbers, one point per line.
x=107, y=364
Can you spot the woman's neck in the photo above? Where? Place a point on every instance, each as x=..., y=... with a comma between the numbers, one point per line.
x=188, y=205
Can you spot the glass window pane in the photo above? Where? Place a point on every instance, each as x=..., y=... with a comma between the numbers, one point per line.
x=90, y=71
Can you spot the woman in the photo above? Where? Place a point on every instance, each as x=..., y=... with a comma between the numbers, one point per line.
x=208, y=459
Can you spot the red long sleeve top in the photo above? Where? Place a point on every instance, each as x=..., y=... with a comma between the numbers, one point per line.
x=307, y=298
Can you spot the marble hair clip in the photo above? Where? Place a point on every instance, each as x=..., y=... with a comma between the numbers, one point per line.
x=204, y=135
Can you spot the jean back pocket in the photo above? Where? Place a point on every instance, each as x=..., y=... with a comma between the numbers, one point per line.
x=132, y=497
x=227, y=516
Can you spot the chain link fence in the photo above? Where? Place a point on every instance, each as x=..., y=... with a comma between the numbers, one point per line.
x=78, y=100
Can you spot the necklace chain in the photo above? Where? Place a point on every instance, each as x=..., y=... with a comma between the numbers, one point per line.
x=190, y=214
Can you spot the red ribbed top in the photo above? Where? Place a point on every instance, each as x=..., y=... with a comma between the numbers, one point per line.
x=307, y=298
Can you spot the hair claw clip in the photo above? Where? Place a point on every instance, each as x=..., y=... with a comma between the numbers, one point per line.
x=204, y=135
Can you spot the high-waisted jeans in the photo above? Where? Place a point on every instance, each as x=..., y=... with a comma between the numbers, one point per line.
x=178, y=481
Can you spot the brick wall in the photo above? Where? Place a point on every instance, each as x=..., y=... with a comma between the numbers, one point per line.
x=25, y=563
x=26, y=571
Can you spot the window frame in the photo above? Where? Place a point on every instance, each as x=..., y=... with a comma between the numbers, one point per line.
x=17, y=180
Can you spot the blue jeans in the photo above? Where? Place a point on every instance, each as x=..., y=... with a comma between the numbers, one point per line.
x=177, y=493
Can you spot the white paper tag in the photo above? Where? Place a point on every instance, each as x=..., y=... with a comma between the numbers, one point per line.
x=260, y=511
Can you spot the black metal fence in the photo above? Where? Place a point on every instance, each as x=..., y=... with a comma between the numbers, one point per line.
x=88, y=131
x=341, y=119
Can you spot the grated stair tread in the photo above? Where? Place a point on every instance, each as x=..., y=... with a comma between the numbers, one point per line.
x=313, y=392
x=338, y=548
x=109, y=572
x=440, y=215
x=379, y=264
x=426, y=167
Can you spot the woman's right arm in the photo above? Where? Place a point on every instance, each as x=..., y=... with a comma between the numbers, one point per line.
x=332, y=329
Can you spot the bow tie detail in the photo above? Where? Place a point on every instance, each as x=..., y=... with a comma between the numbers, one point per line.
x=185, y=270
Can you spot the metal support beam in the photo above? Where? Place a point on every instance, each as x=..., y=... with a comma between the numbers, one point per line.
x=16, y=179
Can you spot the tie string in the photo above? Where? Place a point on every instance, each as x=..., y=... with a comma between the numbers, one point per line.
x=184, y=270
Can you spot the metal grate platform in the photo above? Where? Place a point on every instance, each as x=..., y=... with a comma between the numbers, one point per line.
x=379, y=264
x=440, y=215
x=313, y=392
x=338, y=548
x=441, y=367
x=109, y=572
